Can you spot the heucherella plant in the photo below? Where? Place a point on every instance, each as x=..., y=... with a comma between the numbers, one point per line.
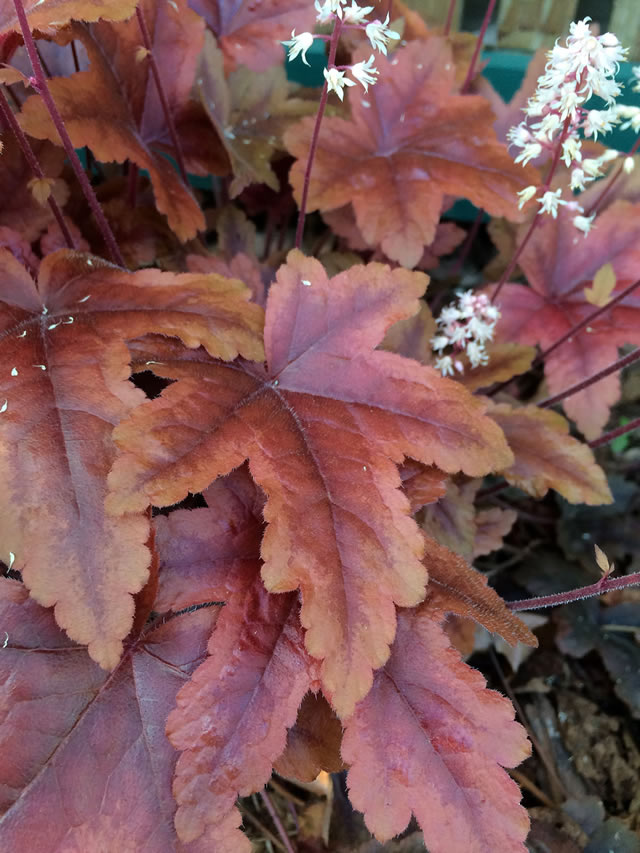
x=242, y=515
x=556, y=118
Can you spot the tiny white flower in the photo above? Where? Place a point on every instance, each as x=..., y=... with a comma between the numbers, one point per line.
x=549, y=202
x=571, y=150
x=328, y=9
x=529, y=152
x=526, y=195
x=355, y=14
x=336, y=81
x=584, y=223
x=629, y=165
x=445, y=365
x=365, y=73
x=299, y=45
x=577, y=179
x=439, y=343
x=449, y=315
x=477, y=354
x=379, y=35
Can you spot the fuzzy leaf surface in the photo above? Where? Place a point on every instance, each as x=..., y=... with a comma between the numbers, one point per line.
x=560, y=264
x=324, y=427
x=547, y=457
x=231, y=719
x=114, y=107
x=250, y=31
x=52, y=14
x=410, y=142
x=64, y=389
x=85, y=763
x=250, y=111
x=455, y=587
x=442, y=759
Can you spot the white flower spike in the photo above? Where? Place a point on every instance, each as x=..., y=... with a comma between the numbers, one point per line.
x=379, y=35
x=336, y=81
x=365, y=73
x=299, y=45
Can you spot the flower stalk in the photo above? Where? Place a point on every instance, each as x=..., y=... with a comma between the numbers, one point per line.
x=10, y=120
x=605, y=584
x=43, y=89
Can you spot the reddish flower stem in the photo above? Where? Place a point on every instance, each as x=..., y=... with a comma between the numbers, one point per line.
x=614, y=180
x=266, y=799
x=614, y=433
x=450, y=13
x=43, y=89
x=534, y=222
x=333, y=46
x=476, y=53
x=34, y=165
x=605, y=584
x=621, y=363
x=146, y=39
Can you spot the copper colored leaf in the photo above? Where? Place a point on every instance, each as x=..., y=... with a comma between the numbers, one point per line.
x=250, y=111
x=231, y=719
x=53, y=14
x=324, y=426
x=505, y=361
x=451, y=520
x=455, y=587
x=202, y=550
x=492, y=525
x=114, y=107
x=412, y=337
x=84, y=761
x=18, y=208
x=422, y=484
x=410, y=142
x=250, y=31
x=313, y=743
x=547, y=457
x=441, y=758
x=560, y=264
x=64, y=388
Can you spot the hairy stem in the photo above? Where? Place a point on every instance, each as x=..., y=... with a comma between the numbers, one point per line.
x=619, y=364
x=605, y=584
x=43, y=89
x=610, y=436
x=534, y=222
x=450, y=13
x=34, y=165
x=146, y=39
x=476, y=53
x=333, y=46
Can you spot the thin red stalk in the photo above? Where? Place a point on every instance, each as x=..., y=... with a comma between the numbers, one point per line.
x=534, y=222
x=162, y=95
x=606, y=438
x=587, y=321
x=34, y=165
x=614, y=180
x=450, y=13
x=605, y=584
x=266, y=799
x=74, y=51
x=333, y=46
x=620, y=364
x=610, y=436
x=43, y=89
x=476, y=53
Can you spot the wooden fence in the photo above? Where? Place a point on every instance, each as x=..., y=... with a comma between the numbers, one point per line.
x=530, y=24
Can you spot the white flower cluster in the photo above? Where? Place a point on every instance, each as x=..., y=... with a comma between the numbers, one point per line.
x=466, y=325
x=376, y=31
x=555, y=116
